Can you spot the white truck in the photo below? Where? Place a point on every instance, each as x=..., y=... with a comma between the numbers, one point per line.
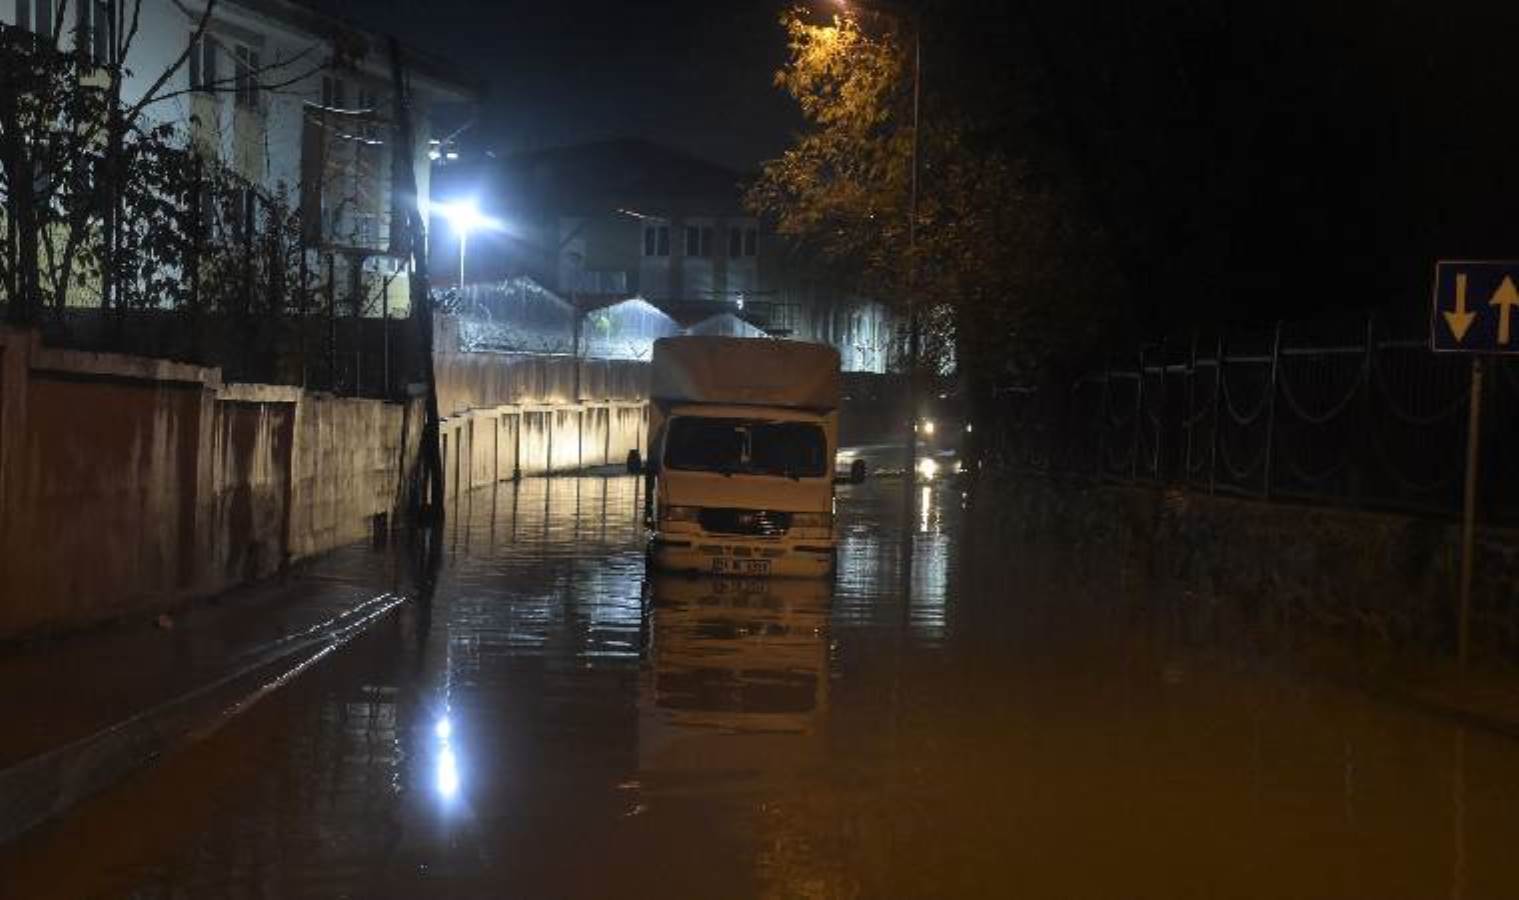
x=740, y=474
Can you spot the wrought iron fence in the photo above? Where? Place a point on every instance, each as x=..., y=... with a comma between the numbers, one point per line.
x=1372, y=421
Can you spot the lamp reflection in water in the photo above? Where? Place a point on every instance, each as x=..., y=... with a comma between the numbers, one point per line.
x=446, y=777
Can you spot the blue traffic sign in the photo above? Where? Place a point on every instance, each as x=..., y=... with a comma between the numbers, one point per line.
x=1474, y=309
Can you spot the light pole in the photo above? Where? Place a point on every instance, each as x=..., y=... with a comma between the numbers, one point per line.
x=463, y=243
x=910, y=16
x=464, y=216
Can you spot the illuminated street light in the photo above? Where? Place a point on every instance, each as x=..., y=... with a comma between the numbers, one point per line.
x=464, y=217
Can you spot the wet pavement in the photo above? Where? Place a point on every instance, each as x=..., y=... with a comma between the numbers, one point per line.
x=968, y=717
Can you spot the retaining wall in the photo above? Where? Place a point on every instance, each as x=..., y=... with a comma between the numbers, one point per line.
x=1384, y=576
x=129, y=485
x=509, y=415
x=483, y=380
x=484, y=446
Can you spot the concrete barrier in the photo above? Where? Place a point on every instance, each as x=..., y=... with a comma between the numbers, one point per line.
x=505, y=442
x=129, y=485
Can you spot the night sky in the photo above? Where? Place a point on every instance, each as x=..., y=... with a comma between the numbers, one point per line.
x=696, y=76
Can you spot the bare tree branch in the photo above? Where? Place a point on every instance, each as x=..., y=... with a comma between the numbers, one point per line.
x=228, y=85
x=163, y=78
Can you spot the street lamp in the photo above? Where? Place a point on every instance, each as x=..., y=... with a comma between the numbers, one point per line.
x=909, y=15
x=464, y=216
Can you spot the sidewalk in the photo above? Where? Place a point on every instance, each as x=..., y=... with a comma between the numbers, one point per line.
x=83, y=711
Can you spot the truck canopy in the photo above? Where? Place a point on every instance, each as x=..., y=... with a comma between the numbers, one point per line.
x=746, y=371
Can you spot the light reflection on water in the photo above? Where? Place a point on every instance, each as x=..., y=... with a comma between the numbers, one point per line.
x=959, y=714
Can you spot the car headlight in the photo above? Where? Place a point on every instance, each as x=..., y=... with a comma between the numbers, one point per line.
x=928, y=426
x=928, y=468
x=811, y=520
x=679, y=513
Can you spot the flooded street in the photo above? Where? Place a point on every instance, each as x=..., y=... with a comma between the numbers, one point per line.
x=970, y=717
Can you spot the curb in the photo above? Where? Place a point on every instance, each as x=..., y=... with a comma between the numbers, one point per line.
x=45, y=786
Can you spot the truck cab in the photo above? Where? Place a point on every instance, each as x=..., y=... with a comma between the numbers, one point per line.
x=740, y=474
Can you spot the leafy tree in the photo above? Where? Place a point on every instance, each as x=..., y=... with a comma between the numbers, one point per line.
x=1007, y=273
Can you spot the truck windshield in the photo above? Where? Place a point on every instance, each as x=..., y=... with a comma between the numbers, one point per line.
x=746, y=447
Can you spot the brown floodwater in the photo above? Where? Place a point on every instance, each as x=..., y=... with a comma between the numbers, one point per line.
x=956, y=715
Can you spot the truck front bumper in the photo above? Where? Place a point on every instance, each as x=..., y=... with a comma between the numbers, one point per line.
x=725, y=556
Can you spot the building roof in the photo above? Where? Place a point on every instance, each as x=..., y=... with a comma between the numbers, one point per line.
x=635, y=176
x=359, y=43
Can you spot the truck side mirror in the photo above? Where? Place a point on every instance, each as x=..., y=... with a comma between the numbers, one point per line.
x=857, y=472
x=635, y=462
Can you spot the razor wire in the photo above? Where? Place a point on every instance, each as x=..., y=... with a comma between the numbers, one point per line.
x=1397, y=410
x=1391, y=467
x=1192, y=419
x=1289, y=459
x=1335, y=409
x=1114, y=420
x=1243, y=421
x=1240, y=474
x=1195, y=469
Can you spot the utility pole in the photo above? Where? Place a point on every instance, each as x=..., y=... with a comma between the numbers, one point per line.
x=414, y=240
x=914, y=336
x=911, y=17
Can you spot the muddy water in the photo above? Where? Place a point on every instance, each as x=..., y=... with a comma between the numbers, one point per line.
x=954, y=716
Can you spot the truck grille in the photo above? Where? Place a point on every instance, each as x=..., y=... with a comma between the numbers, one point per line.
x=762, y=522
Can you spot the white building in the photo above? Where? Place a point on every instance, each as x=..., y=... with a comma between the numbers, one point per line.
x=294, y=101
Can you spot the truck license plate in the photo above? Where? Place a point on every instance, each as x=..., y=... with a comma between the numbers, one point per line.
x=722, y=566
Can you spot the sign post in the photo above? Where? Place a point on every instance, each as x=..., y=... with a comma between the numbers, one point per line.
x=1469, y=510
x=1473, y=313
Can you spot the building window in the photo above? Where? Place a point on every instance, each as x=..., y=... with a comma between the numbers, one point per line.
x=750, y=236
x=693, y=240
x=203, y=65
x=245, y=83
x=735, y=237
x=244, y=224
x=37, y=16
x=706, y=240
x=94, y=20
x=334, y=93
x=656, y=240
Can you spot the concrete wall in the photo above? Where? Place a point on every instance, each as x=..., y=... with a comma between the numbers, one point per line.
x=505, y=442
x=128, y=485
x=508, y=415
x=348, y=466
x=471, y=381
x=249, y=488
x=1385, y=577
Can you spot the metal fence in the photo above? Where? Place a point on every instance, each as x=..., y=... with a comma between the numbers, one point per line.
x=1365, y=420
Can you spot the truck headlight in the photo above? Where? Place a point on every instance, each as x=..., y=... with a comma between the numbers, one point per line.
x=679, y=513
x=811, y=520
